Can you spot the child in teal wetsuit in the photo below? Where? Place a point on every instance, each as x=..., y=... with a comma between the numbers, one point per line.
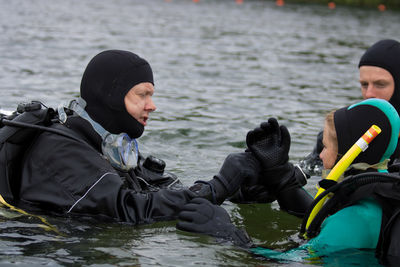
x=357, y=226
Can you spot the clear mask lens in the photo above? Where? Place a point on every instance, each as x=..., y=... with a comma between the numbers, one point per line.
x=121, y=151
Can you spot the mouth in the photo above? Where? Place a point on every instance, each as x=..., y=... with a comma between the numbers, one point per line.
x=143, y=121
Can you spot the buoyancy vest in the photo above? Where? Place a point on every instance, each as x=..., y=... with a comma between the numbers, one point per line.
x=381, y=187
x=16, y=133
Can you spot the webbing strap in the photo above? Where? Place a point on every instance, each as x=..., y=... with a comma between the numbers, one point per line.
x=46, y=225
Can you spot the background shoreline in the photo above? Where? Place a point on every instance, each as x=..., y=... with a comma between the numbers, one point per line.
x=379, y=4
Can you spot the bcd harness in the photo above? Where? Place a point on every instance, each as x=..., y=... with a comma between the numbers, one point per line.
x=382, y=187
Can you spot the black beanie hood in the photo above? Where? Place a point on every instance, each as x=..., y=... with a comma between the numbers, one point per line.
x=107, y=79
x=353, y=121
x=386, y=54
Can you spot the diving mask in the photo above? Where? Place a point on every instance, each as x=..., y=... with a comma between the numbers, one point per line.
x=121, y=151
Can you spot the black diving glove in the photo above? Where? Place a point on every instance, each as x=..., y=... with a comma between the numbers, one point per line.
x=236, y=168
x=201, y=216
x=270, y=143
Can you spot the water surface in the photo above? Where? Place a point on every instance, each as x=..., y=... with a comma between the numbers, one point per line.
x=220, y=69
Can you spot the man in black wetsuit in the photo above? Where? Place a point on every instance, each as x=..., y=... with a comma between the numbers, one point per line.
x=94, y=167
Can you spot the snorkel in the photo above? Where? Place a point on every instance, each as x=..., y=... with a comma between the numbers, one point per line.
x=390, y=131
x=121, y=151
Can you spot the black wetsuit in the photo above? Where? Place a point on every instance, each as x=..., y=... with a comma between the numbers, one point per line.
x=66, y=176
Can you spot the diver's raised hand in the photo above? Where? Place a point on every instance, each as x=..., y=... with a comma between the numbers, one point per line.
x=201, y=216
x=270, y=143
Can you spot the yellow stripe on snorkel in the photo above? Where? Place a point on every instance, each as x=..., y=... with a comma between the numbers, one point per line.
x=343, y=164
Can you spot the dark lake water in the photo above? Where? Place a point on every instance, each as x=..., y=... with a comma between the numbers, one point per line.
x=220, y=69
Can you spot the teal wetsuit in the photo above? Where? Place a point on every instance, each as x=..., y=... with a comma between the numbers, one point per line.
x=354, y=227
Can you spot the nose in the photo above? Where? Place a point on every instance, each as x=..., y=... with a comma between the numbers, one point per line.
x=150, y=106
x=370, y=92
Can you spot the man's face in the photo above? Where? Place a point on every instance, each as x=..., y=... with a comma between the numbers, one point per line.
x=138, y=102
x=376, y=82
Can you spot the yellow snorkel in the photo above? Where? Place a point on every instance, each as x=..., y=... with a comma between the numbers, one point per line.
x=340, y=167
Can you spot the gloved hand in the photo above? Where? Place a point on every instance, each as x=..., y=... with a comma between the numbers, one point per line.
x=236, y=168
x=201, y=216
x=270, y=144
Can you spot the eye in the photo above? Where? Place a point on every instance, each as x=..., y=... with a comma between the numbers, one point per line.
x=380, y=85
x=364, y=85
x=141, y=94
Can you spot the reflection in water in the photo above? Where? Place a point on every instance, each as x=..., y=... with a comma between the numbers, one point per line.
x=220, y=69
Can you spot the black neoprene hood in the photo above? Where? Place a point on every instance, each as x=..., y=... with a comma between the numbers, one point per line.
x=351, y=124
x=107, y=79
x=386, y=54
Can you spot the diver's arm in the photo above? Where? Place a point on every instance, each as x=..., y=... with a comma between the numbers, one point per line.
x=292, y=197
x=142, y=208
x=165, y=204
